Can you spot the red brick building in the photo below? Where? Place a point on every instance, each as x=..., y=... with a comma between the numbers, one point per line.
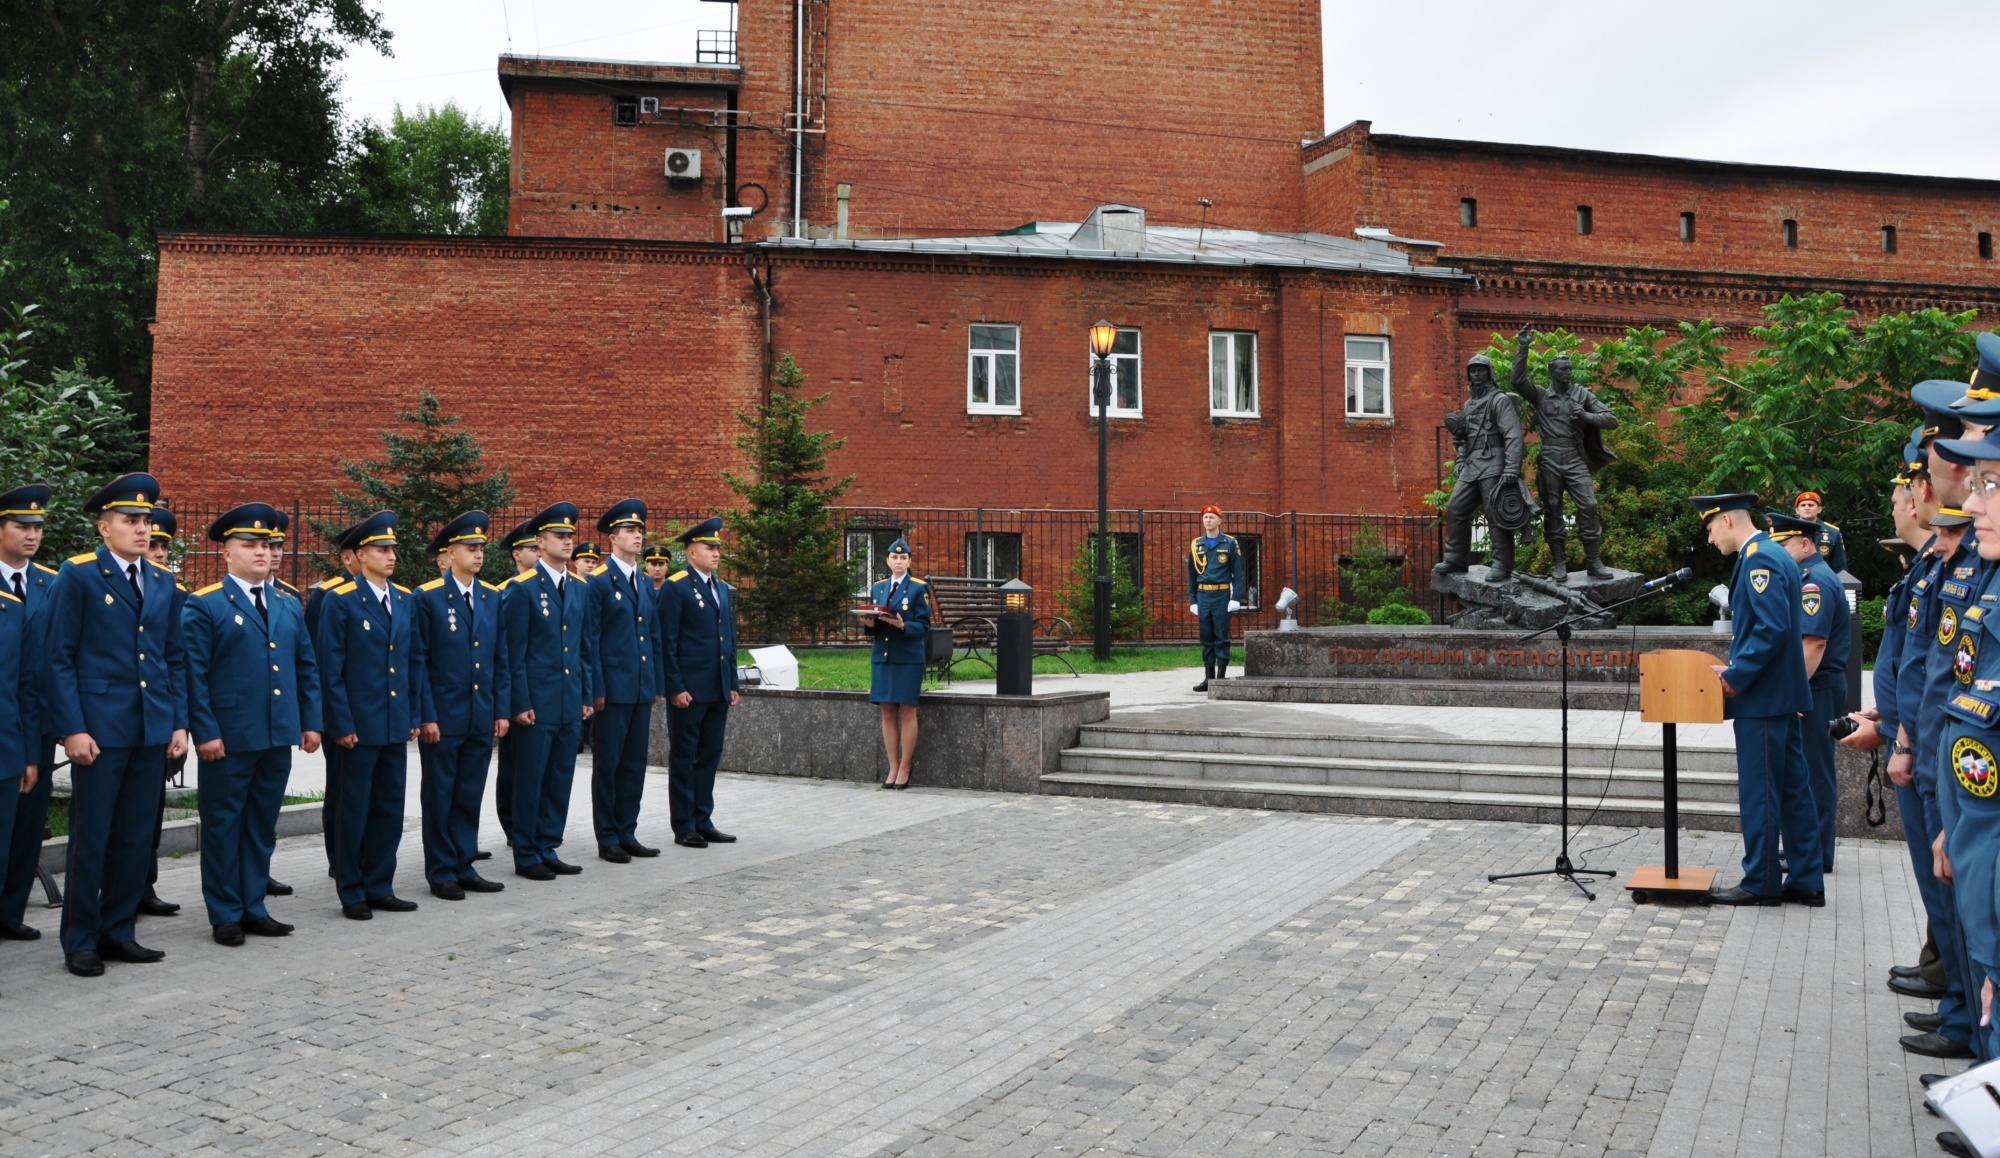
x=1300, y=303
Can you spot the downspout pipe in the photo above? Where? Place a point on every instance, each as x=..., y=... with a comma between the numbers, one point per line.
x=798, y=117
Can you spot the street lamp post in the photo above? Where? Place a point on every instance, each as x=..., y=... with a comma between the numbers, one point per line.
x=1103, y=336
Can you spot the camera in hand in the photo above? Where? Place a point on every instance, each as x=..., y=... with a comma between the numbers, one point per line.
x=1843, y=727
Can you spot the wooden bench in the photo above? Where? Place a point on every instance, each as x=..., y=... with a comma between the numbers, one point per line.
x=966, y=611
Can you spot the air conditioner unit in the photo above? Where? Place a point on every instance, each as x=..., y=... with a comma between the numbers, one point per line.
x=649, y=106
x=683, y=164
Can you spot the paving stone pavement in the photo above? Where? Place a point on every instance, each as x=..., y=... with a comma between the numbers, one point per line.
x=930, y=973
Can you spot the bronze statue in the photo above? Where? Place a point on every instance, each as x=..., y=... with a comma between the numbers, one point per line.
x=1487, y=462
x=1570, y=420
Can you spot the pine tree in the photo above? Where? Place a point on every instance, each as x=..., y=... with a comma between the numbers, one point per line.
x=433, y=474
x=789, y=545
x=1130, y=617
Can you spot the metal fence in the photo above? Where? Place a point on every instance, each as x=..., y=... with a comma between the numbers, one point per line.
x=1306, y=552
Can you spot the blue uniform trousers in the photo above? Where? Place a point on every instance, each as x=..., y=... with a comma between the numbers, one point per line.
x=544, y=766
x=1773, y=796
x=1829, y=703
x=1212, y=612
x=503, y=782
x=697, y=749
x=240, y=797
x=618, y=771
x=454, y=771
x=1959, y=1007
x=12, y=804
x=31, y=817
x=112, y=807
x=336, y=763
x=373, y=778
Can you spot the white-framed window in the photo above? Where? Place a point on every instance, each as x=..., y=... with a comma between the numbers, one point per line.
x=1368, y=378
x=993, y=369
x=1124, y=376
x=868, y=555
x=1232, y=374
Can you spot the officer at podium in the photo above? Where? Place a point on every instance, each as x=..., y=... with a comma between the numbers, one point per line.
x=1823, y=623
x=1765, y=689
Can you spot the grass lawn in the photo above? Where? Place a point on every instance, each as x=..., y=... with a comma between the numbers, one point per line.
x=847, y=667
x=178, y=810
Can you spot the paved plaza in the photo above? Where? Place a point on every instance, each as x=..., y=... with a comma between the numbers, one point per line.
x=944, y=973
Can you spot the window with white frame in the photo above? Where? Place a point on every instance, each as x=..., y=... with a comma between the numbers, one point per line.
x=1368, y=378
x=993, y=370
x=1124, y=377
x=868, y=555
x=1232, y=374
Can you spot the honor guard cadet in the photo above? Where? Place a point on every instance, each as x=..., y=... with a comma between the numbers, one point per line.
x=1766, y=689
x=698, y=657
x=160, y=550
x=462, y=701
x=1826, y=537
x=1215, y=580
x=1823, y=624
x=545, y=621
x=658, y=562
x=22, y=514
x=278, y=545
x=335, y=755
x=370, y=650
x=626, y=673
x=253, y=694
x=22, y=757
x=117, y=695
x=525, y=551
x=585, y=560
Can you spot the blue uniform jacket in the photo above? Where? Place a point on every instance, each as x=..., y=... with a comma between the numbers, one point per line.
x=697, y=638
x=1831, y=549
x=549, y=649
x=1767, y=667
x=36, y=583
x=20, y=694
x=370, y=659
x=903, y=644
x=1917, y=626
x=1224, y=564
x=627, y=654
x=115, y=669
x=1823, y=612
x=1973, y=692
x=251, y=684
x=1960, y=579
x=1889, y=657
x=463, y=681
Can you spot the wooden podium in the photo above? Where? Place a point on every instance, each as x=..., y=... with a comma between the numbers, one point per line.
x=1675, y=687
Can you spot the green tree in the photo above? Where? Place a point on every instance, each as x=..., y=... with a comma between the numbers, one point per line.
x=436, y=170
x=788, y=543
x=1373, y=575
x=1130, y=617
x=433, y=473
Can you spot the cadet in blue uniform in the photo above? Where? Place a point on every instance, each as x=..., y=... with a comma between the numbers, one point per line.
x=21, y=752
x=525, y=552
x=272, y=885
x=117, y=695
x=160, y=550
x=1215, y=581
x=1826, y=537
x=546, y=625
x=462, y=700
x=22, y=511
x=698, y=653
x=658, y=563
x=897, y=661
x=627, y=678
x=370, y=651
x=335, y=756
x=1766, y=689
x=1823, y=624
x=253, y=693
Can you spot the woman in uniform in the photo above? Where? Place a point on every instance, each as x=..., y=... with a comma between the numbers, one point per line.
x=898, y=660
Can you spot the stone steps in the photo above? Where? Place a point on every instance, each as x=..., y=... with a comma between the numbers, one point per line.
x=1583, y=695
x=1637, y=751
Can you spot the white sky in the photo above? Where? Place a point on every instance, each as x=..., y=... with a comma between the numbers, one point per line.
x=1836, y=83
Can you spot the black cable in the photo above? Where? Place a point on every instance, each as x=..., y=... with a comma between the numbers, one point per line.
x=1617, y=741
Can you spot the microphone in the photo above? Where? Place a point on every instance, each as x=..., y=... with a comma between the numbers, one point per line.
x=1680, y=576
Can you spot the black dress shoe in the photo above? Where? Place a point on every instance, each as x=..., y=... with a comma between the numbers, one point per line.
x=84, y=964
x=478, y=884
x=614, y=854
x=1202, y=686
x=689, y=841
x=267, y=926
x=1906, y=971
x=634, y=848
x=1916, y=987
x=230, y=934
x=130, y=952
x=536, y=872
x=717, y=836
x=392, y=904
x=153, y=906
x=1742, y=896
x=1923, y=1022
x=1810, y=899
x=357, y=912
x=273, y=887
x=1930, y=1080
x=1934, y=1045
x=1951, y=1143
x=9, y=932
x=482, y=854
x=447, y=890
x=563, y=868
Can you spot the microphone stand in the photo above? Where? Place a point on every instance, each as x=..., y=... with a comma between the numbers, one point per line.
x=1564, y=628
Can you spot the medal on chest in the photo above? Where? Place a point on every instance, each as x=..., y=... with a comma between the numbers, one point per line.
x=367, y=626
x=239, y=621
x=451, y=619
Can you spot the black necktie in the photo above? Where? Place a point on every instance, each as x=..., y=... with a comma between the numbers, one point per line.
x=138, y=592
x=20, y=592
x=257, y=597
x=467, y=596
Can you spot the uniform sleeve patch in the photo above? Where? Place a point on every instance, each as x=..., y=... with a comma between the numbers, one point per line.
x=1760, y=579
x=1979, y=708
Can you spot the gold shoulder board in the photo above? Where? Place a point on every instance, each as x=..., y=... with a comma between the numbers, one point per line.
x=677, y=576
x=346, y=588
x=210, y=588
x=433, y=585
x=86, y=557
